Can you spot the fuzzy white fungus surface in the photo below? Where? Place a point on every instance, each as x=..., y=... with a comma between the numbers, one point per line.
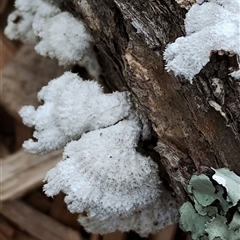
x=104, y=176
x=211, y=26
x=101, y=173
x=56, y=34
x=149, y=219
x=71, y=107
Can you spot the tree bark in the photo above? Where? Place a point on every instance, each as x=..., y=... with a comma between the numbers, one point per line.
x=192, y=132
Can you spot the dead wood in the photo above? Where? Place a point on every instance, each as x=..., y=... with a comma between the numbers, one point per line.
x=192, y=135
x=35, y=223
x=22, y=172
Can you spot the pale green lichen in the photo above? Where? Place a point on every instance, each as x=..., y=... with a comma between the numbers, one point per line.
x=191, y=221
x=230, y=181
x=213, y=212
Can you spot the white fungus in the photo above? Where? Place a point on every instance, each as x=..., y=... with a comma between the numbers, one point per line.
x=149, y=219
x=20, y=27
x=106, y=180
x=56, y=34
x=71, y=107
x=104, y=176
x=30, y=17
x=70, y=43
x=211, y=26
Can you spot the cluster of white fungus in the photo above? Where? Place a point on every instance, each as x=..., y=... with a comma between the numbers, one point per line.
x=101, y=172
x=54, y=33
x=107, y=162
x=210, y=26
x=105, y=179
x=71, y=107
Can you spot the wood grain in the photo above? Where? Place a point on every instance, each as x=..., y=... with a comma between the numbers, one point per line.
x=22, y=172
x=35, y=223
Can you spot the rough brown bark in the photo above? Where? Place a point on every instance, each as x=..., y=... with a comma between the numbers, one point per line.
x=191, y=135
